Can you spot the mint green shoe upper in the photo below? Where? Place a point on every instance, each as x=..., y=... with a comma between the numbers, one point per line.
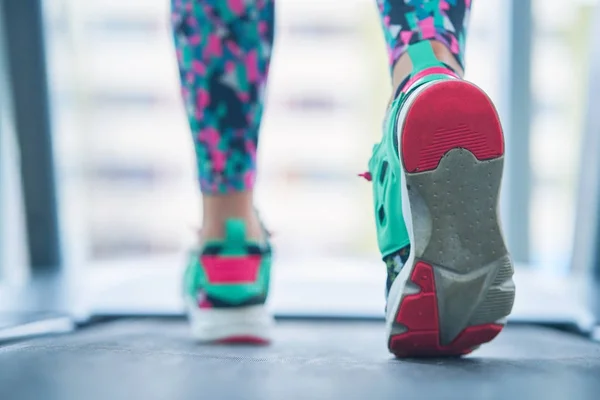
x=385, y=166
x=233, y=272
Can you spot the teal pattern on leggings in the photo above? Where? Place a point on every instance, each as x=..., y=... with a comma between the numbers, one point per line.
x=224, y=50
x=408, y=21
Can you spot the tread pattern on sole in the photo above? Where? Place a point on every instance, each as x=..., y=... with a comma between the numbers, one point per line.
x=448, y=115
x=419, y=314
x=450, y=101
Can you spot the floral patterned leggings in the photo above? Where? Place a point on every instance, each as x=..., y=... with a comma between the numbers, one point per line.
x=224, y=51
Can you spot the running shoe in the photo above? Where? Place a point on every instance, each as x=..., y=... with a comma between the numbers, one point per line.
x=436, y=179
x=226, y=285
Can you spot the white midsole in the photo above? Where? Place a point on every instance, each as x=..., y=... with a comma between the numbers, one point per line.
x=397, y=290
x=221, y=323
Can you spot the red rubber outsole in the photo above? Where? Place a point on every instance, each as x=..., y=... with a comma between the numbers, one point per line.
x=419, y=314
x=448, y=115
x=248, y=340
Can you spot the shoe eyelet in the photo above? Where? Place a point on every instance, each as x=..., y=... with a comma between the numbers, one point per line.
x=381, y=215
x=383, y=171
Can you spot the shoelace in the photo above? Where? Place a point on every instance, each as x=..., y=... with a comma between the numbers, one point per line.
x=367, y=175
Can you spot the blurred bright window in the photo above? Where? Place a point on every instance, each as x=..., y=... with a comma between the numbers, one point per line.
x=124, y=150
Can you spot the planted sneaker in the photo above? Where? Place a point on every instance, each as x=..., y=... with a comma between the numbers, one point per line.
x=436, y=177
x=226, y=286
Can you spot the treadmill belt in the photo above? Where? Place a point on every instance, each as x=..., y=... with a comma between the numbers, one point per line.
x=156, y=359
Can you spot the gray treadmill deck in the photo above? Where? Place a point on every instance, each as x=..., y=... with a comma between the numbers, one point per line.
x=156, y=359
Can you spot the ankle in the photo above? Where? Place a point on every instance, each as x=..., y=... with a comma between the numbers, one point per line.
x=214, y=229
x=403, y=67
x=443, y=53
x=219, y=208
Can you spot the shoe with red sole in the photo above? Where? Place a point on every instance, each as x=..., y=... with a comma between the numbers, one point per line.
x=436, y=179
x=226, y=285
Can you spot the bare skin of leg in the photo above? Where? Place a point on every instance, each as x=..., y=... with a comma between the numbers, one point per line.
x=217, y=209
x=404, y=66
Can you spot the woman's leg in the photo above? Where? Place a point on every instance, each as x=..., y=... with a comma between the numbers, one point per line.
x=443, y=22
x=436, y=176
x=224, y=49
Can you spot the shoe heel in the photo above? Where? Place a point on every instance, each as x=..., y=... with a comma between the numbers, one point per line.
x=460, y=287
x=247, y=325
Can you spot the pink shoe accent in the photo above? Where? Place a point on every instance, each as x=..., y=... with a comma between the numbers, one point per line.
x=367, y=176
x=202, y=300
x=231, y=270
x=419, y=313
x=425, y=72
x=251, y=340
